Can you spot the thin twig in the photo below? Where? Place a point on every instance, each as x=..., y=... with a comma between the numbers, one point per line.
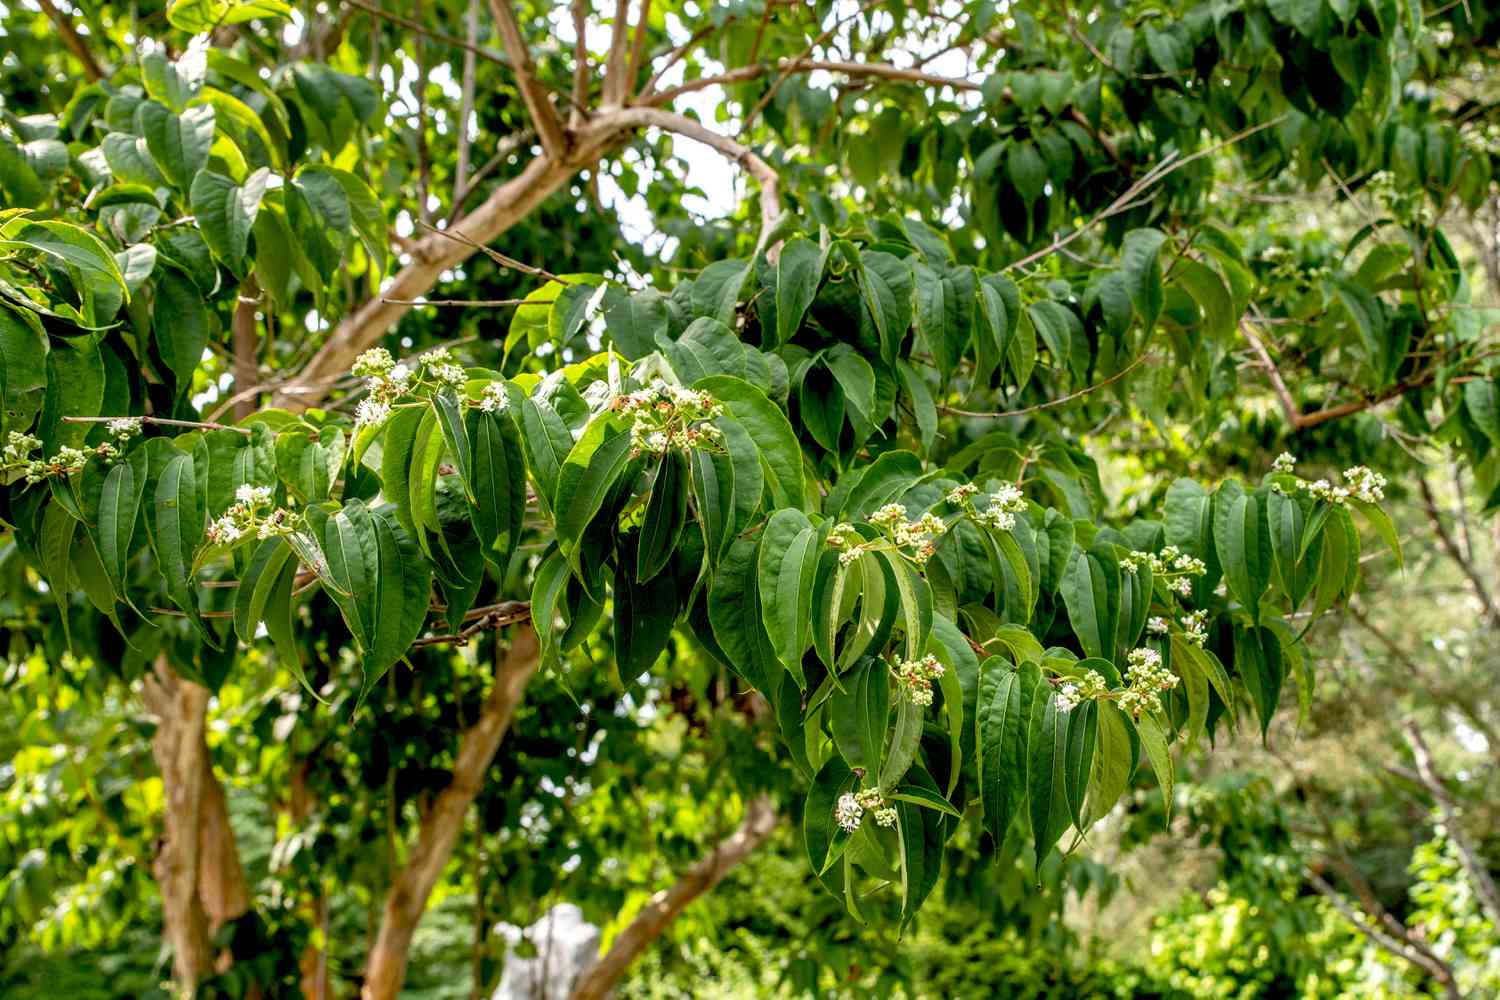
x=201, y=425
x=495, y=617
x=538, y=101
x=496, y=255
x=420, y=29
x=487, y=303
x=1468, y=854
x=1049, y=404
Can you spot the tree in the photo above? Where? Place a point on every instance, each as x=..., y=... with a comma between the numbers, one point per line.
x=845, y=483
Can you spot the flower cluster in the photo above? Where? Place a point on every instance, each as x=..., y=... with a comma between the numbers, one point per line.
x=1074, y=691
x=916, y=676
x=1360, y=483
x=246, y=517
x=665, y=416
x=1285, y=463
x=1146, y=678
x=386, y=381
x=1005, y=504
x=921, y=535
x=68, y=461
x=850, y=809
x=843, y=536
x=1195, y=627
x=1172, y=564
x=493, y=399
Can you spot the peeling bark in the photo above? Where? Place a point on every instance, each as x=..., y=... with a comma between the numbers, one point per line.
x=197, y=864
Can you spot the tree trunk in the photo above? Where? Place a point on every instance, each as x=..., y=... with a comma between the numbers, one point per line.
x=443, y=823
x=246, y=348
x=760, y=820
x=197, y=863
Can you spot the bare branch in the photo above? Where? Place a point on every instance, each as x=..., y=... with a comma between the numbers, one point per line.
x=443, y=821
x=1482, y=592
x=580, y=97
x=1289, y=406
x=654, y=918
x=614, y=67
x=1049, y=404
x=437, y=36
x=538, y=102
x=1416, y=953
x=465, y=110
x=197, y=425
x=73, y=40
x=670, y=121
x=638, y=48
x=1468, y=854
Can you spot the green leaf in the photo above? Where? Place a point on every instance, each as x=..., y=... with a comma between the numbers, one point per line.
x=769, y=429
x=177, y=532
x=666, y=514
x=855, y=376
x=1243, y=544
x=1091, y=591
x=799, y=270
x=1047, y=772
x=1154, y=740
x=119, y=507
x=1258, y=661
x=499, y=484
x=226, y=213
x=1380, y=521
x=714, y=498
x=1141, y=266
x=257, y=585
x=904, y=740
x=1113, y=764
x=716, y=293
x=735, y=614
x=181, y=324
x=1482, y=400
x=1003, y=722
x=924, y=410
x=196, y=16
x=1082, y=740
x=885, y=283
x=54, y=548
x=178, y=144
x=789, y=551
x=859, y=714
x=925, y=797
x=644, y=616
x=450, y=418
x=585, y=479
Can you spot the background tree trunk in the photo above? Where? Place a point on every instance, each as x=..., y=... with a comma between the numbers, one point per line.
x=443, y=822
x=197, y=863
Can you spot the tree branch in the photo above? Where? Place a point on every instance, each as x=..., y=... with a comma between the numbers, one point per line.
x=443, y=822
x=465, y=110
x=638, y=47
x=538, y=102
x=658, y=913
x=1474, y=865
x=73, y=40
x=1449, y=546
x=197, y=865
x=581, y=74
x=765, y=177
x=246, y=347
x=615, y=66
x=1417, y=953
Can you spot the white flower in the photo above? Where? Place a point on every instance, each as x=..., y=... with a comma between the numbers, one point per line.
x=224, y=531
x=1181, y=586
x=960, y=494
x=1157, y=625
x=915, y=678
x=1146, y=678
x=252, y=495
x=371, y=411
x=399, y=374
x=1285, y=463
x=124, y=427
x=1074, y=691
x=448, y=374
x=494, y=398
x=847, y=812
x=372, y=363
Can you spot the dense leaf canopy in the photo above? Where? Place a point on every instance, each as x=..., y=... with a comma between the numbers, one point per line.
x=940, y=474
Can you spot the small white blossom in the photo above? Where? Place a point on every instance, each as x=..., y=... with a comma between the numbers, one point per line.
x=1157, y=625
x=915, y=678
x=124, y=427
x=373, y=363
x=247, y=494
x=1146, y=677
x=1074, y=691
x=371, y=411
x=224, y=531
x=494, y=398
x=1285, y=463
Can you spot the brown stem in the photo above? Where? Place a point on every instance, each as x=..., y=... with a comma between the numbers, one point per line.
x=246, y=347
x=197, y=866
x=443, y=821
x=1404, y=947
x=73, y=40
x=654, y=918
x=1449, y=546
x=1468, y=854
x=614, y=68
x=538, y=101
x=466, y=111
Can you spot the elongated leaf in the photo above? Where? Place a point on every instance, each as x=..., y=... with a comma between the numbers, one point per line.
x=769, y=429
x=1091, y=591
x=1154, y=740
x=1003, y=722
x=735, y=614
x=787, y=564
x=178, y=527
x=799, y=270
x=859, y=714
x=1047, y=772
x=824, y=839
x=666, y=513
x=585, y=479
